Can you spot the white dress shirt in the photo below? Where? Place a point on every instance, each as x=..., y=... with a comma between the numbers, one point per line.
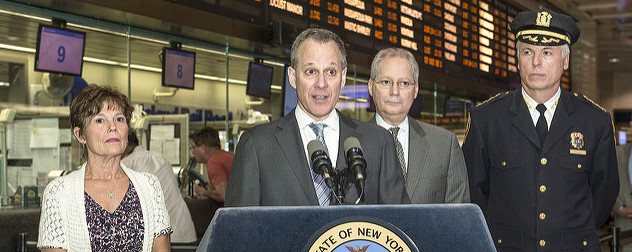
x=550, y=105
x=331, y=132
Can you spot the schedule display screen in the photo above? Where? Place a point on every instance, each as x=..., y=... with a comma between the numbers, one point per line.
x=463, y=38
x=460, y=36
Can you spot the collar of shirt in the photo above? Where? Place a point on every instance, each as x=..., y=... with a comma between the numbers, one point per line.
x=331, y=132
x=550, y=105
x=402, y=134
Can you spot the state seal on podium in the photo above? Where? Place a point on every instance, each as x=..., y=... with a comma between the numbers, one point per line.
x=359, y=234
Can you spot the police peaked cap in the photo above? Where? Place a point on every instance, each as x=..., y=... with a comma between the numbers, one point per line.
x=545, y=27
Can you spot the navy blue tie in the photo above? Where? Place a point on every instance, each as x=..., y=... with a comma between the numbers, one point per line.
x=541, y=126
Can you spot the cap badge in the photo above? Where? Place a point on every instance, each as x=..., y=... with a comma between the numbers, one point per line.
x=543, y=19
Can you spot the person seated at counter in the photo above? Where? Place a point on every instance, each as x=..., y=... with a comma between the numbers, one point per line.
x=206, y=148
x=103, y=206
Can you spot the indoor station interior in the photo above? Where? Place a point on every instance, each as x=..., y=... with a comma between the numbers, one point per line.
x=240, y=53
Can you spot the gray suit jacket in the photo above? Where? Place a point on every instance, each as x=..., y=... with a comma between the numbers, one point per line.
x=625, y=190
x=436, y=167
x=270, y=166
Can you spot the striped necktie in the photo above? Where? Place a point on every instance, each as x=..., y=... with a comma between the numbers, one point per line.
x=400, y=150
x=322, y=191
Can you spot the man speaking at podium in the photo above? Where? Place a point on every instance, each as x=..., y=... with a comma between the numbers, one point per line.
x=541, y=161
x=272, y=164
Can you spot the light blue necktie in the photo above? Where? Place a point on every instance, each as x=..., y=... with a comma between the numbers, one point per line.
x=322, y=191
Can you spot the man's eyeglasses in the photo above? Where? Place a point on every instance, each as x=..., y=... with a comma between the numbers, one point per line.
x=401, y=84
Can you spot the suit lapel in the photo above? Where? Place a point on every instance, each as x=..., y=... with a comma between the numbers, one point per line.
x=561, y=122
x=347, y=129
x=522, y=120
x=417, y=151
x=289, y=138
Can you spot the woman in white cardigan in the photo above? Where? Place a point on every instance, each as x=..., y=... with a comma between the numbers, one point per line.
x=104, y=206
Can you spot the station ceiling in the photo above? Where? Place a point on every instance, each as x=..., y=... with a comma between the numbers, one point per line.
x=612, y=19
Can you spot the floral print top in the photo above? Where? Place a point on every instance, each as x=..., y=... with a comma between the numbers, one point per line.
x=122, y=230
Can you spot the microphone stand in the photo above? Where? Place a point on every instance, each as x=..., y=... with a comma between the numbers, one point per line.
x=189, y=166
x=191, y=194
x=339, y=178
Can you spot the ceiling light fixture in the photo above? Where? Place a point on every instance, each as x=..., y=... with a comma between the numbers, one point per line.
x=612, y=15
x=613, y=60
x=592, y=6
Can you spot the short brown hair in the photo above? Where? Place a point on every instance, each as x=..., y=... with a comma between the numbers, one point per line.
x=91, y=101
x=206, y=136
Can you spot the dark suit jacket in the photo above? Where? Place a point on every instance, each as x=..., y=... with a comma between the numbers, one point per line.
x=542, y=197
x=270, y=166
x=436, y=167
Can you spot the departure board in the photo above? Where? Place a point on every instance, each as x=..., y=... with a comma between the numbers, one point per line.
x=463, y=38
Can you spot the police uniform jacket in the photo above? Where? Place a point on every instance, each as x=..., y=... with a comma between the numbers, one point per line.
x=542, y=197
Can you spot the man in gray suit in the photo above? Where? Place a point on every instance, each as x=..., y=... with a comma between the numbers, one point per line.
x=430, y=157
x=271, y=165
x=623, y=207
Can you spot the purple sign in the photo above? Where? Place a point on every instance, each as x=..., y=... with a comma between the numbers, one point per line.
x=178, y=69
x=59, y=50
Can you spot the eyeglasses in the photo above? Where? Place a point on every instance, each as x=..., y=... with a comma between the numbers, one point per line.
x=401, y=84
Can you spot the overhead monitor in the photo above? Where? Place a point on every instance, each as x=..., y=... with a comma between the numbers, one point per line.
x=353, y=97
x=623, y=137
x=289, y=93
x=178, y=68
x=259, y=80
x=59, y=50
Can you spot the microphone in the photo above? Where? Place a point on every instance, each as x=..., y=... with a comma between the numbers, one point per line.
x=195, y=174
x=355, y=159
x=320, y=161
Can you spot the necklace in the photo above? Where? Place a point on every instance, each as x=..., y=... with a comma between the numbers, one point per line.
x=112, y=187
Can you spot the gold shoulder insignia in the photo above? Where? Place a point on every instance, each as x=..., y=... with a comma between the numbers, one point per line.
x=594, y=103
x=491, y=98
x=467, y=129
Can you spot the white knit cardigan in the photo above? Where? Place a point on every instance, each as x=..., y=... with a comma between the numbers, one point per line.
x=63, y=219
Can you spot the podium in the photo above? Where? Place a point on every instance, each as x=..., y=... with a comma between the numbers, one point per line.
x=433, y=227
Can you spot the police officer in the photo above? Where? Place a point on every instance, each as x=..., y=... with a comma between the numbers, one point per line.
x=541, y=161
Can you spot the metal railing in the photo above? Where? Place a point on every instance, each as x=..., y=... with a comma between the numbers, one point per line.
x=615, y=237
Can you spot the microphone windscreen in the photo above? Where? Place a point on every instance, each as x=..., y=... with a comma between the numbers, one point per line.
x=314, y=146
x=352, y=142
